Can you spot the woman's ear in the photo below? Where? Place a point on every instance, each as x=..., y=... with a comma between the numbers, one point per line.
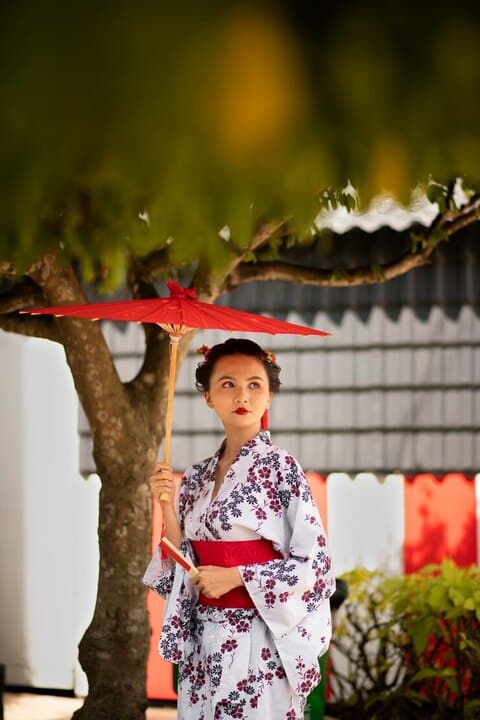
x=208, y=399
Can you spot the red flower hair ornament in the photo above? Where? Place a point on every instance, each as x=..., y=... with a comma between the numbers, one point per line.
x=204, y=350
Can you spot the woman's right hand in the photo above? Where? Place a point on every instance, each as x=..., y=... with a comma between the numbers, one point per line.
x=162, y=484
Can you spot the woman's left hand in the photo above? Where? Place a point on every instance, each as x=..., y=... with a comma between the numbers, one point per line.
x=214, y=581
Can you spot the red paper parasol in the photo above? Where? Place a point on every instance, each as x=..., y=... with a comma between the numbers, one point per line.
x=177, y=315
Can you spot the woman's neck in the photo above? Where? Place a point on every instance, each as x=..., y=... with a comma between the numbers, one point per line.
x=234, y=441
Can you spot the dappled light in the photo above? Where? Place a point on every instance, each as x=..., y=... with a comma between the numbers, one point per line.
x=440, y=520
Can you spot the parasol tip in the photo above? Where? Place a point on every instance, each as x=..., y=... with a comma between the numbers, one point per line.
x=177, y=290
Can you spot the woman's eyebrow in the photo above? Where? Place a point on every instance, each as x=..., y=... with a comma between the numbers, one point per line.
x=231, y=377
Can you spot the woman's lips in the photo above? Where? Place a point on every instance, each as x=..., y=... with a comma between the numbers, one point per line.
x=241, y=411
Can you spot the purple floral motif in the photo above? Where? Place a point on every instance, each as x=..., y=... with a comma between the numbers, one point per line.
x=303, y=632
x=310, y=678
x=321, y=540
x=163, y=586
x=177, y=630
x=260, y=514
x=270, y=599
x=248, y=574
x=229, y=645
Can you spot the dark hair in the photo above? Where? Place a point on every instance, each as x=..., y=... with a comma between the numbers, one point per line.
x=236, y=346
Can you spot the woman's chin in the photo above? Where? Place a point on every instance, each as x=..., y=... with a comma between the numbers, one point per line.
x=242, y=421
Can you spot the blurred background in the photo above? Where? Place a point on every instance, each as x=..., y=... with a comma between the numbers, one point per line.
x=131, y=128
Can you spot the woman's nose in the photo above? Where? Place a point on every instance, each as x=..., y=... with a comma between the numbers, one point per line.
x=241, y=396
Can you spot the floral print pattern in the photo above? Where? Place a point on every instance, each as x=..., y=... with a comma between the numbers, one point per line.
x=261, y=662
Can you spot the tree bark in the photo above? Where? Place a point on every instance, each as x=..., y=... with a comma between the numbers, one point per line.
x=113, y=651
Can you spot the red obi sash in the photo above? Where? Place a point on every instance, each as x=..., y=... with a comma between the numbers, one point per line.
x=230, y=553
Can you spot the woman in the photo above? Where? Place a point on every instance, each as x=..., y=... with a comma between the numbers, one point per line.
x=247, y=631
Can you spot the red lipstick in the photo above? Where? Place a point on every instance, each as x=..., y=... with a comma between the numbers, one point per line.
x=241, y=411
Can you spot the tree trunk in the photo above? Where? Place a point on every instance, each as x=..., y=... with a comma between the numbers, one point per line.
x=114, y=649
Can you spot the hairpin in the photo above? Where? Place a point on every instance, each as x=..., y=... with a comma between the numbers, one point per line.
x=267, y=355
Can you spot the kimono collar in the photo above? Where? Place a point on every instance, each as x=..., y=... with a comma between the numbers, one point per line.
x=262, y=438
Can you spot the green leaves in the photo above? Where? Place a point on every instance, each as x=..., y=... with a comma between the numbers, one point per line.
x=221, y=115
x=333, y=198
x=420, y=632
x=437, y=597
x=411, y=644
x=425, y=673
x=438, y=193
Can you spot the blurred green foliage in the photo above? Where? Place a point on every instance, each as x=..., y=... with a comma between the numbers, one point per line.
x=409, y=646
x=131, y=127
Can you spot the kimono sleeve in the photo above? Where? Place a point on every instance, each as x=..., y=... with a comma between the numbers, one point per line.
x=159, y=574
x=290, y=591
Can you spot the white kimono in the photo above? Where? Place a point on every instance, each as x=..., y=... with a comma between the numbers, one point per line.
x=249, y=663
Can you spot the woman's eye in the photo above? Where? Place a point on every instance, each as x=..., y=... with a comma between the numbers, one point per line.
x=227, y=384
x=254, y=385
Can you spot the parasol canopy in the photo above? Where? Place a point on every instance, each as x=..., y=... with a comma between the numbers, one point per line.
x=178, y=314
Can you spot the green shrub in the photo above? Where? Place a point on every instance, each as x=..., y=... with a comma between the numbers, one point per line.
x=408, y=647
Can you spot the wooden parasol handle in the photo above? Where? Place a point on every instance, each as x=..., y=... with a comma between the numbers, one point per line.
x=174, y=340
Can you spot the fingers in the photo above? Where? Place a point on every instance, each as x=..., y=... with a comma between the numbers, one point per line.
x=162, y=491
x=161, y=468
x=214, y=581
x=204, y=588
x=209, y=581
x=199, y=582
x=161, y=481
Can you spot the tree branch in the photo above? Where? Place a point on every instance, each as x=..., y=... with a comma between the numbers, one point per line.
x=156, y=262
x=7, y=268
x=265, y=233
x=140, y=279
x=99, y=387
x=41, y=327
x=362, y=275
x=149, y=388
x=466, y=215
x=23, y=294
x=443, y=227
x=211, y=282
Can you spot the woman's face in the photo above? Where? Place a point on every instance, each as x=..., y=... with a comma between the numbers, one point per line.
x=239, y=391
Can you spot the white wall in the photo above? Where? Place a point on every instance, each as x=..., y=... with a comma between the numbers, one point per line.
x=366, y=522
x=48, y=518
